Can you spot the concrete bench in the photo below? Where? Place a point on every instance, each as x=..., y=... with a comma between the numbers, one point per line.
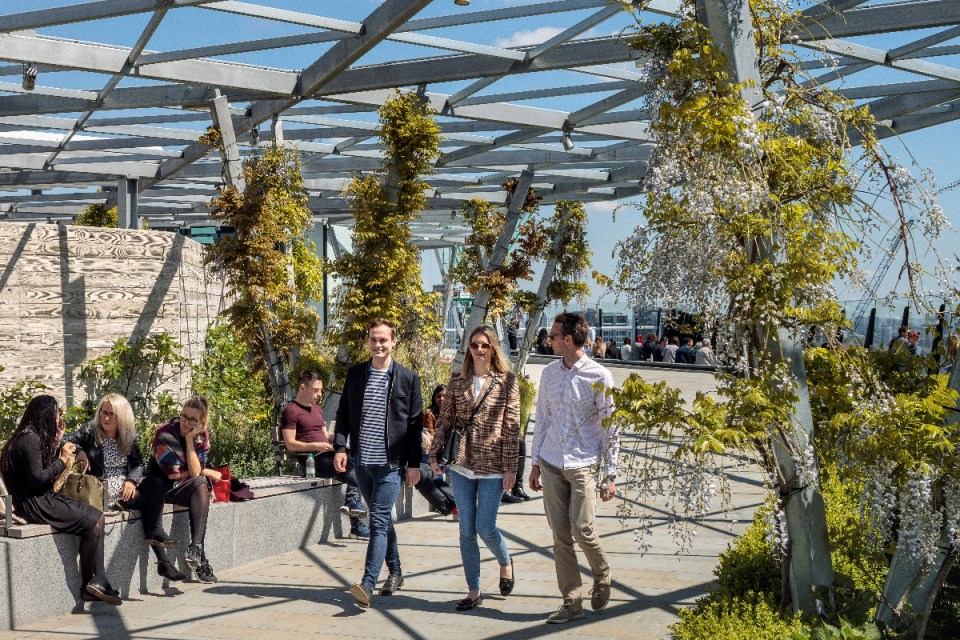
x=39, y=569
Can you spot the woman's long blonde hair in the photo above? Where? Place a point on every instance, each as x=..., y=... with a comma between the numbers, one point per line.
x=498, y=361
x=126, y=427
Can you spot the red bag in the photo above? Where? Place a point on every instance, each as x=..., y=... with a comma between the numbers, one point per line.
x=221, y=487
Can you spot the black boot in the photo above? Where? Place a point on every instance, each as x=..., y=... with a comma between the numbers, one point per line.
x=509, y=498
x=517, y=490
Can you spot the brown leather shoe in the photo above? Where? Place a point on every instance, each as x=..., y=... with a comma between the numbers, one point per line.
x=599, y=595
x=568, y=611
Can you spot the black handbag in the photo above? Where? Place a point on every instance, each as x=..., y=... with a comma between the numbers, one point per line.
x=451, y=441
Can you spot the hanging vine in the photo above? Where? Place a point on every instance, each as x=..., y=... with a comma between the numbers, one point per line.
x=381, y=276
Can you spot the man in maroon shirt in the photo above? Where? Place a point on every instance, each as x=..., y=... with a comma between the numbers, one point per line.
x=305, y=432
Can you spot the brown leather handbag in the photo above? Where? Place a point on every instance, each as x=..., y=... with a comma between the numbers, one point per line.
x=85, y=488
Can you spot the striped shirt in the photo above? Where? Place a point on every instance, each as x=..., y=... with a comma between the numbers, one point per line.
x=373, y=418
x=569, y=432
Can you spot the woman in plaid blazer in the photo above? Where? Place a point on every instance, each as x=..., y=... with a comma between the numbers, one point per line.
x=484, y=398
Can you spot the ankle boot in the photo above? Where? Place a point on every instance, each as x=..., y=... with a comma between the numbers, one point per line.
x=518, y=491
x=509, y=498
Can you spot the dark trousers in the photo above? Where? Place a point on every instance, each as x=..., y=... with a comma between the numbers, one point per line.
x=323, y=464
x=436, y=490
x=193, y=493
x=149, y=501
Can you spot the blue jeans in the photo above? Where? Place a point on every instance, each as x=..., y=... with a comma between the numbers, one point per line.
x=380, y=487
x=477, y=503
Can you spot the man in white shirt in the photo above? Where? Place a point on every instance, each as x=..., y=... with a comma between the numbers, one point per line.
x=570, y=444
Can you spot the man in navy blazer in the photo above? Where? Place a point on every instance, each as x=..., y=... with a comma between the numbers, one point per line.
x=380, y=421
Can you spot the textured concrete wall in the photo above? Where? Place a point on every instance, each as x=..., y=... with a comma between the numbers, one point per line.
x=67, y=293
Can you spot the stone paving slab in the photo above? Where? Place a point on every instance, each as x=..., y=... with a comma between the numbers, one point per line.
x=303, y=594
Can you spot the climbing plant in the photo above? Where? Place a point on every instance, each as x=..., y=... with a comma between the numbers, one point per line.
x=271, y=268
x=750, y=215
x=487, y=220
x=381, y=276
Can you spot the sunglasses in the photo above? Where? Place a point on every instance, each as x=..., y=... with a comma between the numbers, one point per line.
x=480, y=345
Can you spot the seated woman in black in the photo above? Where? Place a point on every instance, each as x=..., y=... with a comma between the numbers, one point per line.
x=109, y=448
x=177, y=458
x=30, y=465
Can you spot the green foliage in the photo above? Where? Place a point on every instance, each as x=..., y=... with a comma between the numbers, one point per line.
x=896, y=413
x=528, y=399
x=426, y=358
x=751, y=616
x=13, y=401
x=748, y=583
x=381, y=277
x=319, y=358
x=271, y=287
x=97, y=215
x=487, y=221
x=240, y=404
x=859, y=561
x=573, y=255
x=748, y=564
x=844, y=631
x=135, y=370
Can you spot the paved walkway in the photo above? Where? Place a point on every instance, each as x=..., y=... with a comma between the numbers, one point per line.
x=303, y=594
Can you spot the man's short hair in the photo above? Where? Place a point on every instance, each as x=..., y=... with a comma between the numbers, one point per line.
x=573, y=325
x=307, y=376
x=383, y=322
x=903, y=330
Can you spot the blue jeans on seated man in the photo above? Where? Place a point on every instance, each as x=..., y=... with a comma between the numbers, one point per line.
x=478, y=501
x=380, y=487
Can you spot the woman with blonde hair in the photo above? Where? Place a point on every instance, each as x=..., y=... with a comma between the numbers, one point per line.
x=484, y=399
x=178, y=456
x=108, y=447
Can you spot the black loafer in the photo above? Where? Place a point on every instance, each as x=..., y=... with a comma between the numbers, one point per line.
x=467, y=603
x=506, y=584
x=509, y=498
x=394, y=582
x=104, y=592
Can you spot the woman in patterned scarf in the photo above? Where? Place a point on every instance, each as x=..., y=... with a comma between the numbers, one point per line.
x=178, y=456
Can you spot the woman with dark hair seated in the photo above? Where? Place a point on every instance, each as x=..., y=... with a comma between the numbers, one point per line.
x=109, y=448
x=177, y=458
x=432, y=486
x=30, y=465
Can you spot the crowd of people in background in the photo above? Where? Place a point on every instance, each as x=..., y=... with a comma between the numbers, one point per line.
x=648, y=348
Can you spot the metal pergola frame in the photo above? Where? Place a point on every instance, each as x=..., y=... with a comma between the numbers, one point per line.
x=131, y=138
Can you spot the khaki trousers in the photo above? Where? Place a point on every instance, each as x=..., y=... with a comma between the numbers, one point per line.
x=570, y=502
